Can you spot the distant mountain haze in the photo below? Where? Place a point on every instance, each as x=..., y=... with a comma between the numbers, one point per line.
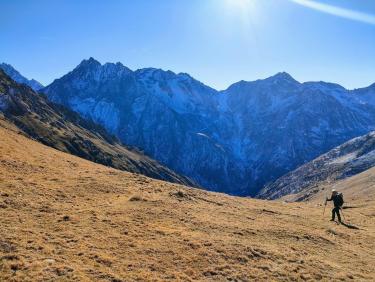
x=234, y=141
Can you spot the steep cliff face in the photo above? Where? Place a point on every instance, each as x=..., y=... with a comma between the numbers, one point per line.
x=232, y=141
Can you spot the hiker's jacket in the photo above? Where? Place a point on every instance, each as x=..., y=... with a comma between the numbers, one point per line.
x=336, y=200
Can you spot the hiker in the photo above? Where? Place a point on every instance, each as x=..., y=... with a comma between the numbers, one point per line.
x=338, y=201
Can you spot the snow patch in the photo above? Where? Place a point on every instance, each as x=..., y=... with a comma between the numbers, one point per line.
x=101, y=112
x=203, y=135
x=344, y=159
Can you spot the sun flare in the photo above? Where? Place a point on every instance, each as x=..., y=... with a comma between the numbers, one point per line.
x=245, y=10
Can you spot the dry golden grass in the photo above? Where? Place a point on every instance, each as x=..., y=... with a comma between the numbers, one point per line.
x=65, y=219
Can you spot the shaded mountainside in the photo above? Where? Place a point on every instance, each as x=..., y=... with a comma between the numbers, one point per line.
x=66, y=131
x=284, y=123
x=66, y=219
x=234, y=141
x=351, y=158
x=16, y=76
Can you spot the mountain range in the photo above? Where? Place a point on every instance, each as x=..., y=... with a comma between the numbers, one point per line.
x=234, y=141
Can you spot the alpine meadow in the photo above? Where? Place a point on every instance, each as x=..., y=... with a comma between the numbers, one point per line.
x=192, y=140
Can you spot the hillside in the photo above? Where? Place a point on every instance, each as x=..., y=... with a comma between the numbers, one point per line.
x=348, y=159
x=63, y=218
x=357, y=189
x=66, y=131
x=16, y=76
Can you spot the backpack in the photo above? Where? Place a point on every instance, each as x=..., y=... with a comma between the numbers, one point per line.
x=340, y=199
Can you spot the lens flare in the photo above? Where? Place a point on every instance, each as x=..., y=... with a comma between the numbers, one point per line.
x=337, y=11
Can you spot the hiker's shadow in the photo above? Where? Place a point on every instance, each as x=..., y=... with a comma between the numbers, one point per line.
x=350, y=226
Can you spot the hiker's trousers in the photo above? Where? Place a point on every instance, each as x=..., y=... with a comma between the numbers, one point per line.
x=336, y=210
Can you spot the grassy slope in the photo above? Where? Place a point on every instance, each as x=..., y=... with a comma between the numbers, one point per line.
x=63, y=218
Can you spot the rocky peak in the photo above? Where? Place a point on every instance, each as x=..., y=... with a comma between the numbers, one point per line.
x=88, y=64
x=281, y=78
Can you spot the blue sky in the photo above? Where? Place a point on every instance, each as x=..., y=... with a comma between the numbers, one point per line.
x=217, y=41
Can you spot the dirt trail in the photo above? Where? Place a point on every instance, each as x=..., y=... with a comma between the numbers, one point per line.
x=66, y=219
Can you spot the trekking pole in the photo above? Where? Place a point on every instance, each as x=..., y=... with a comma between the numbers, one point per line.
x=342, y=212
x=325, y=204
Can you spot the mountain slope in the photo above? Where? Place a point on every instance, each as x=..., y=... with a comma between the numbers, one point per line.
x=365, y=95
x=351, y=158
x=358, y=190
x=234, y=141
x=16, y=76
x=66, y=131
x=64, y=218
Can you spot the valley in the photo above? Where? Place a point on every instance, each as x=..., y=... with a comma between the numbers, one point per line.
x=234, y=141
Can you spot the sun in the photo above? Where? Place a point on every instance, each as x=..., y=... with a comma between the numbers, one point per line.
x=245, y=10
